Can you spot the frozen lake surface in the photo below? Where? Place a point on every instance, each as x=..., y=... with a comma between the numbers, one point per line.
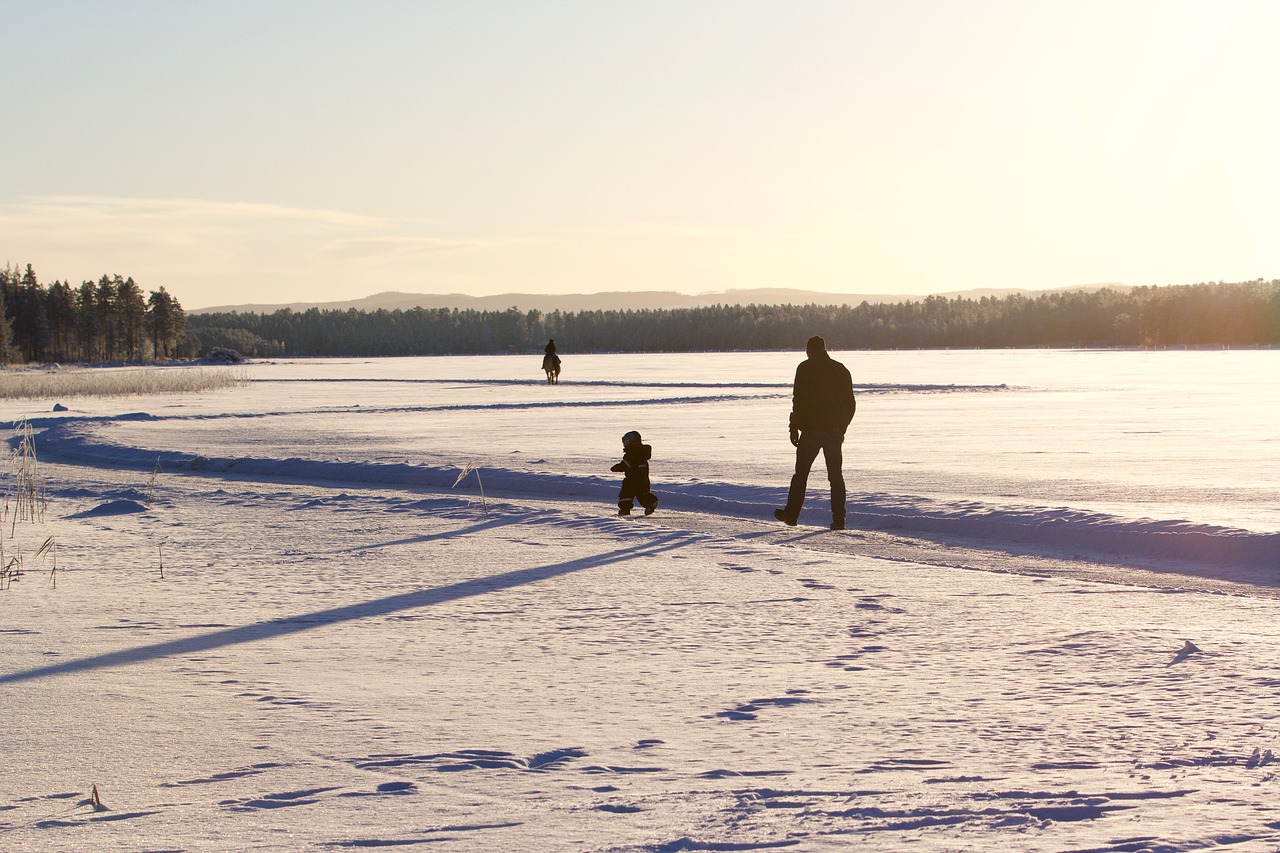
x=1139, y=456
x=276, y=620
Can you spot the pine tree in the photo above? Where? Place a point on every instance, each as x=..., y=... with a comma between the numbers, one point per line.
x=131, y=309
x=7, y=352
x=104, y=307
x=167, y=323
x=88, y=323
x=60, y=302
x=30, y=326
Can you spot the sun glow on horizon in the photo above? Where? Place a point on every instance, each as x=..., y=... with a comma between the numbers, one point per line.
x=254, y=153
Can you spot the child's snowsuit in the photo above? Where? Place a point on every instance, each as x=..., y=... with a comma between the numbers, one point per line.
x=635, y=481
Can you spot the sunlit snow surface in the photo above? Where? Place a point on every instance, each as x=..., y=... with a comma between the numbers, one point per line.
x=279, y=625
x=1135, y=455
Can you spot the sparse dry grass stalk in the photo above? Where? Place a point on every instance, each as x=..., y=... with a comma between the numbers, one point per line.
x=152, y=483
x=24, y=497
x=50, y=549
x=12, y=561
x=24, y=501
x=69, y=382
x=470, y=468
x=10, y=565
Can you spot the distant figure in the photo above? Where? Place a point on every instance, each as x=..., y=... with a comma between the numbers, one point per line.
x=822, y=405
x=634, y=468
x=551, y=363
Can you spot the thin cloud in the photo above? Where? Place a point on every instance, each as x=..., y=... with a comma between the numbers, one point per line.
x=93, y=207
x=225, y=251
x=675, y=230
x=376, y=248
x=209, y=229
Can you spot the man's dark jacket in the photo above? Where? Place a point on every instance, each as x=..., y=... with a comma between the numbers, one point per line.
x=822, y=399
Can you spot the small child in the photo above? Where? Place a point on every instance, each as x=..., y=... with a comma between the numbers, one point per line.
x=635, y=480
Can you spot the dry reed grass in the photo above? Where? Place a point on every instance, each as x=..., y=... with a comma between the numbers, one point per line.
x=68, y=382
x=150, y=488
x=24, y=495
x=470, y=468
x=24, y=501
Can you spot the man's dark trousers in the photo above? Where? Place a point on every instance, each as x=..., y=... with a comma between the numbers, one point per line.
x=831, y=445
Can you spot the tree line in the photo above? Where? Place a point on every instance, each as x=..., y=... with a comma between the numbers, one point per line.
x=109, y=320
x=104, y=321
x=1227, y=314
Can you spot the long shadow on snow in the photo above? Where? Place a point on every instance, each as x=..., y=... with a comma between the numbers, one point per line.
x=433, y=537
x=378, y=607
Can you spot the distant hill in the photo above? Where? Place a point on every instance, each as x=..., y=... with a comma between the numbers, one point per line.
x=622, y=301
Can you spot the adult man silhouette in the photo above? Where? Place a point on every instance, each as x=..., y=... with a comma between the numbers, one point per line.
x=822, y=405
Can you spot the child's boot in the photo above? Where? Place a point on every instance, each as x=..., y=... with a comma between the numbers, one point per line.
x=624, y=507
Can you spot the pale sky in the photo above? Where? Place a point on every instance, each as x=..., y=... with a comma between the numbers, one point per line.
x=272, y=151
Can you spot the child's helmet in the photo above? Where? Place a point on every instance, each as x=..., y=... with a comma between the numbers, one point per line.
x=630, y=437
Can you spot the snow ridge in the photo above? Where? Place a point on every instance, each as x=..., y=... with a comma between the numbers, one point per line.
x=1051, y=531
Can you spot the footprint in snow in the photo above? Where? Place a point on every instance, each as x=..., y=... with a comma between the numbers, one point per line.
x=814, y=583
x=286, y=799
x=1188, y=648
x=748, y=710
x=476, y=759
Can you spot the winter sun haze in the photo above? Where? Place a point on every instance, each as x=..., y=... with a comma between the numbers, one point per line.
x=277, y=151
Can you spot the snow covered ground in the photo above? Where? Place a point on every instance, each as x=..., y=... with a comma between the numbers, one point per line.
x=277, y=624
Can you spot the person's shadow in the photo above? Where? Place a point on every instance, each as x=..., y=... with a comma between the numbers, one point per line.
x=347, y=613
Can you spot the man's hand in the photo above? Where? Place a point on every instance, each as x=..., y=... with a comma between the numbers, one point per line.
x=795, y=437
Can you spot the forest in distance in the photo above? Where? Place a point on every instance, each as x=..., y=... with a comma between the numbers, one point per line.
x=1210, y=314
x=107, y=321
x=110, y=321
